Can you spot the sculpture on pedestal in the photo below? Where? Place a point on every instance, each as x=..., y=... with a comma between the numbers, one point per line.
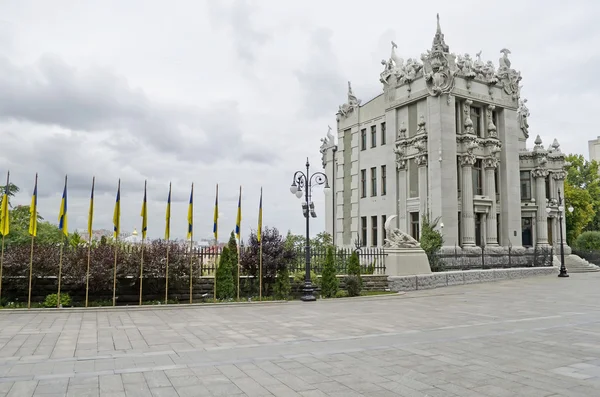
x=396, y=238
x=347, y=108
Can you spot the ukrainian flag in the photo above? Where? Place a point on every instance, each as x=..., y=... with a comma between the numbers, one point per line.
x=33, y=211
x=117, y=214
x=144, y=213
x=63, y=223
x=91, y=212
x=190, y=231
x=238, y=221
x=4, y=221
x=168, y=216
x=216, y=216
x=259, y=230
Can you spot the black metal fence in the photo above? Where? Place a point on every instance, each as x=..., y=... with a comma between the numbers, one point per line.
x=494, y=258
x=372, y=260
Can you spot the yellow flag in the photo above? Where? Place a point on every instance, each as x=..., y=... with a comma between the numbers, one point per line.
x=190, y=231
x=238, y=221
x=168, y=216
x=63, y=223
x=259, y=230
x=117, y=214
x=4, y=218
x=33, y=211
x=216, y=216
x=91, y=212
x=144, y=214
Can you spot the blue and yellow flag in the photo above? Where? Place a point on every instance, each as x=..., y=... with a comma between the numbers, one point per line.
x=91, y=212
x=238, y=221
x=33, y=211
x=63, y=220
x=216, y=216
x=144, y=213
x=117, y=214
x=168, y=216
x=4, y=218
x=190, y=229
x=259, y=230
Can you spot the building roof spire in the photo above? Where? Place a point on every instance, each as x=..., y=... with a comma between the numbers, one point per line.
x=439, y=45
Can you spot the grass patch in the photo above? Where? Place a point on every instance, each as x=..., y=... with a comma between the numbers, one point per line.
x=371, y=293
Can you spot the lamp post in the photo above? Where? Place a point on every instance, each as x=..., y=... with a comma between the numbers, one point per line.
x=561, y=210
x=302, y=184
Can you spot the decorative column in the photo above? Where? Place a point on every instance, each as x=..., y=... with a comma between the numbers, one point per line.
x=490, y=164
x=421, y=161
x=401, y=164
x=540, y=175
x=468, y=217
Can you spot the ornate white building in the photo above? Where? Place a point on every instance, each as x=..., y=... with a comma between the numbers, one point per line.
x=446, y=138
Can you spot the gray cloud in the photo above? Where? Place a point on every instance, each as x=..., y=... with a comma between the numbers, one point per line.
x=322, y=84
x=237, y=18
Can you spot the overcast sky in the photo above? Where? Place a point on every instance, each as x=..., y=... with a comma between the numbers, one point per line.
x=240, y=92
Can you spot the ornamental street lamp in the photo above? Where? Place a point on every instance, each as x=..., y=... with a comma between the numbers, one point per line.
x=302, y=184
x=561, y=210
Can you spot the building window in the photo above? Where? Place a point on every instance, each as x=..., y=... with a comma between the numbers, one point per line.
x=550, y=235
x=527, y=232
x=414, y=225
x=477, y=178
x=457, y=107
x=383, y=133
x=373, y=136
x=495, y=119
x=383, y=233
x=458, y=175
x=374, y=231
x=383, y=180
x=525, y=185
x=363, y=139
x=459, y=229
x=363, y=183
x=496, y=182
x=363, y=231
x=476, y=119
x=498, y=229
x=478, y=229
x=413, y=179
x=548, y=194
x=373, y=181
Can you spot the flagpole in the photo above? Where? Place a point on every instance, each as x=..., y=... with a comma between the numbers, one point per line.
x=89, y=258
x=239, y=246
x=30, y=273
x=60, y=259
x=167, y=275
x=6, y=220
x=260, y=270
x=142, y=270
x=115, y=272
x=191, y=268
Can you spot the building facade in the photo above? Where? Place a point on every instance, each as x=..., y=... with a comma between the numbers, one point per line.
x=446, y=138
x=594, y=149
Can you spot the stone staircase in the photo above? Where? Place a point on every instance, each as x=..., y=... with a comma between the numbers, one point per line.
x=576, y=264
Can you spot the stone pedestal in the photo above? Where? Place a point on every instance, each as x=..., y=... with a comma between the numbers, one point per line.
x=406, y=262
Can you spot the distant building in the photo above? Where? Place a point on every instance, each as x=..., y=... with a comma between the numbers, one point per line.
x=446, y=138
x=594, y=149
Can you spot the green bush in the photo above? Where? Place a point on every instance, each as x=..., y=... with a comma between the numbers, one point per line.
x=329, y=281
x=282, y=288
x=299, y=277
x=52, y=299
x=233, y=260
x=588, y=241
x=353, y=285
x=341, y=294
x=224, y=276
x=353, y=268
x=432, y=242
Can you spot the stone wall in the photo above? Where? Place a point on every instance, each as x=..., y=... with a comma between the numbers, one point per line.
x=445, y=279
x=457, y=258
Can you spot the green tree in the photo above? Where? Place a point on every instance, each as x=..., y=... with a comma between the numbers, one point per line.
x=431, y=241
x=583, y=174
x=47, y=233
x=282, y=288
x=353, y=279
x=12, y=190
x=329, y=281
x=588, y=241
x=224, y=276
x=233, y=258
x=583, y=211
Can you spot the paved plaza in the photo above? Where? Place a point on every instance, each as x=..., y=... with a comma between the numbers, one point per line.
x=531, y=337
